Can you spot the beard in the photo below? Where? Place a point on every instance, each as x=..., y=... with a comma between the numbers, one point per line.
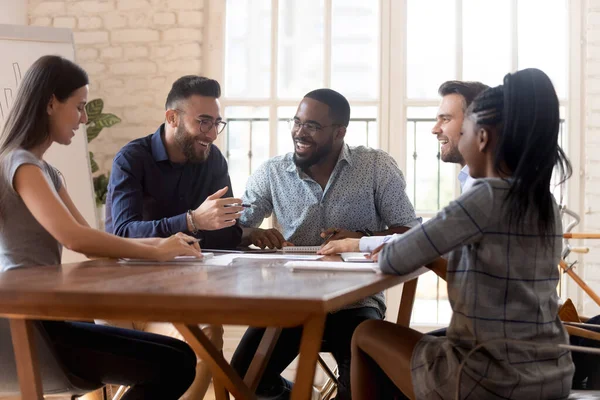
x=319, y=154
x=187, y=144
x=452, y=156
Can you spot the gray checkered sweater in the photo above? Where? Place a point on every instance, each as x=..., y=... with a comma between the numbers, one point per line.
x=501, y=285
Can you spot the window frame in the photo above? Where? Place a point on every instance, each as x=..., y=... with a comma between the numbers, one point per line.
x=392, y=104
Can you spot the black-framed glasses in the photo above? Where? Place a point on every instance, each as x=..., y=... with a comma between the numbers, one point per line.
x=310, y=127
x=207, y=124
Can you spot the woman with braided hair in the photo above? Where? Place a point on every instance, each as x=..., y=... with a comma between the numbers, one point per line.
x=502, y=243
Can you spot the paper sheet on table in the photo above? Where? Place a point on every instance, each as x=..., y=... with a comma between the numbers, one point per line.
x=356, y=257
x=176, y=260
x=226, y=259
x=333, y=266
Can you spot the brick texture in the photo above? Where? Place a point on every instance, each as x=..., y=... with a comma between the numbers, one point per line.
x=133, y=50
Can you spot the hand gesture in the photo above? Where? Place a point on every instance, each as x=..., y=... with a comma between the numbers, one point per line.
x=217, y=212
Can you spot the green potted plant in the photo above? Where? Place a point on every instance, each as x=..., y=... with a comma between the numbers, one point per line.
x=97, y=120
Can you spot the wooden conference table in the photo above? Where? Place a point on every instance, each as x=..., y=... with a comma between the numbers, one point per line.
x=247, y=292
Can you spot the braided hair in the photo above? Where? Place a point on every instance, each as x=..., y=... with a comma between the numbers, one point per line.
x=525, y=112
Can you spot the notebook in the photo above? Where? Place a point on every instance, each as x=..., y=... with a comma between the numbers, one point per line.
x=300, y=249
x=331, y=266
x=176, y=260
x=356, y=257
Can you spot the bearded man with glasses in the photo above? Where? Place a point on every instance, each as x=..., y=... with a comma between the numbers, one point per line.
x=176, y=180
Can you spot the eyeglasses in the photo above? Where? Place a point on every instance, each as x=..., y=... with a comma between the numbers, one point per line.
x=310, y=127
x=207, y=124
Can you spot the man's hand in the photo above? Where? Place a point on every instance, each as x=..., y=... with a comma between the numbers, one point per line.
x=337, y=234
x=270, y=238
x=216, y=212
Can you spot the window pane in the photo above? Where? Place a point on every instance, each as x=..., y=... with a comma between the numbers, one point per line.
x=284, y=135
x=543, y=41
x=493, y=18
x=354, y=48
x=430, y=46
x=300, y=44
x=430, y=183
x=362, y=130
x=248, y=48
x=247, y=143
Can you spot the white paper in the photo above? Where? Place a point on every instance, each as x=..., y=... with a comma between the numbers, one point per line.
x=176, y=260
x=333, y=266
x=269, y=256
x=356, y=257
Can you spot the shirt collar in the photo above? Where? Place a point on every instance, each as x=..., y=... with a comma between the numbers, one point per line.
x=159, y=152
x=345, y=155
x=463, y=175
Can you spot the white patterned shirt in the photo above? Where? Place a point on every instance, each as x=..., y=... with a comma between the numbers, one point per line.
x=366, y=190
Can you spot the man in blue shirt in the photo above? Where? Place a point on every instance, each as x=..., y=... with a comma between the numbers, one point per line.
x=176, y=180
x=323, y=189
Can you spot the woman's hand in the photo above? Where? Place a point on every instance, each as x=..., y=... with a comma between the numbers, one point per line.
x=340, y=246
x=179, y=244
x=375, y=253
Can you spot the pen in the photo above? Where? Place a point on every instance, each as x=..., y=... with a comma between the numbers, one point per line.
x=330, y=235
x=238, y=205
x=192, y=241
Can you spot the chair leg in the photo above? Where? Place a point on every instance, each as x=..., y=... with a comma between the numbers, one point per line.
x=120, y=393
x=331, y=374
x=330, y=385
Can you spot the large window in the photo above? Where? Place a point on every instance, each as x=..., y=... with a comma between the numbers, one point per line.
x=277, y=51
x=389, y=58
x=470, y=40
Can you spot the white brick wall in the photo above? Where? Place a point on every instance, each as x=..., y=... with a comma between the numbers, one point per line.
x=133, y=50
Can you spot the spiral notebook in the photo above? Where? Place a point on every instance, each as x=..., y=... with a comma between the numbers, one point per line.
x=300, y=249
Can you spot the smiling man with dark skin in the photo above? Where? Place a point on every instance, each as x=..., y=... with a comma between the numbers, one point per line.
x=323, y=188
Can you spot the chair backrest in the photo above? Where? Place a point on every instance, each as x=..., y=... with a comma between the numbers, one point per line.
x=55, y=378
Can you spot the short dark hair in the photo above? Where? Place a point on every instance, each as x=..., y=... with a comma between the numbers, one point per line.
x=468, y=90
x=190, y=85
x=339, y=108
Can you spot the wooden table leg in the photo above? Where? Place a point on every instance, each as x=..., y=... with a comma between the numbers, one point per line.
x=409, y=289
x=222, y=371
x=261, y=358
x=312, y=336
x=221, y=392
x=23, y=338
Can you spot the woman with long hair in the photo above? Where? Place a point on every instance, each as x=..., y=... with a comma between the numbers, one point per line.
x=37, y=218
x=502, y=240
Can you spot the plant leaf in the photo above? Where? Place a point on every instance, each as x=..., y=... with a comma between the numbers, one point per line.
x=93, y=163
x=101, y=188
x=94, y=109
x=107, y=120
x=92, y=132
